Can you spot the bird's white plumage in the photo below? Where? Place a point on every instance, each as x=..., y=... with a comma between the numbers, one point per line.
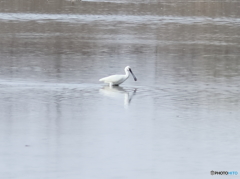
x=115, y=80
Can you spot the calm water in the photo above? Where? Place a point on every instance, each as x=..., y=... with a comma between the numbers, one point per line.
x=179, y=120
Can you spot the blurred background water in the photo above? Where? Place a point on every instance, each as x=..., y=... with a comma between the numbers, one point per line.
x=179, y=120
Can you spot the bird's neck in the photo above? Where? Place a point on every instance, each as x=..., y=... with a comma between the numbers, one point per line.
x=127, y=73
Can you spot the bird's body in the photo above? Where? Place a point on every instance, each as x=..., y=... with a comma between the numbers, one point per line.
x=115, y=80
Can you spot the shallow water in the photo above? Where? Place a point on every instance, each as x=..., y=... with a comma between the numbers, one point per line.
x=179, y=120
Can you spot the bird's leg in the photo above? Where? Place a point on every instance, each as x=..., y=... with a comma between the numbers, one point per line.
x=110, y=84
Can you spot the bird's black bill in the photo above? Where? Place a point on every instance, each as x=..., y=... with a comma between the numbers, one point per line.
x=134, y=77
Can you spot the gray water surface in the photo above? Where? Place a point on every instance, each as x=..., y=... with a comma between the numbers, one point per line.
x=179, y=120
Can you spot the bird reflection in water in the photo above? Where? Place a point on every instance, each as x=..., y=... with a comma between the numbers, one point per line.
x=118, y=92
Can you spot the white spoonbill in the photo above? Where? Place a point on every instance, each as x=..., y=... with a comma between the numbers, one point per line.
x=115, y=80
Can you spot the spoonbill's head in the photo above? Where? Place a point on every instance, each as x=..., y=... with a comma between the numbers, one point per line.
x=127, y=68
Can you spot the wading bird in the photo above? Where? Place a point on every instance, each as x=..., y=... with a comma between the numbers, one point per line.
x=115, y=80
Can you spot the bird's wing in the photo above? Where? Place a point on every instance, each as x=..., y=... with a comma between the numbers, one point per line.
x=112, y=78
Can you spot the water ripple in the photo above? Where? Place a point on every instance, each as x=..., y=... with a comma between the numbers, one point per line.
x=148, y=19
